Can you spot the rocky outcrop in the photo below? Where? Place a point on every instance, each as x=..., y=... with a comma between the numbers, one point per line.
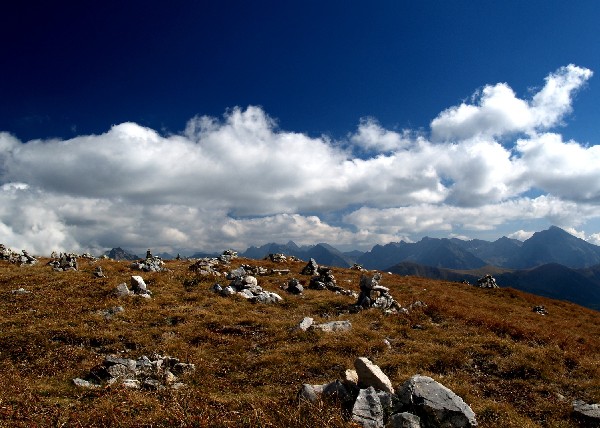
x=420, y=402
x=540, y=309
x=144, y=373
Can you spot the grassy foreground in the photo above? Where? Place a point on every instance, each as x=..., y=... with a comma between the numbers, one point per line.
x=514, y=367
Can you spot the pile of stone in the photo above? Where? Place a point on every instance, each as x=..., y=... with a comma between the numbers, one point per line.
x=540, y=309
x=358, y=267
x=366, y=393
x=374, y=295
x=13, y=257
x=206, y=266
x=150, y=264
x=89, y=257
x=293, y=286
x=308, y=323
x=138, y=288
x=255, y=270
x=311, y=268
x=227, y=256
x=487, y=281
x=246, y=286
x=325, y=280
x=64, y=262
x=160, y=372
x=277, y=257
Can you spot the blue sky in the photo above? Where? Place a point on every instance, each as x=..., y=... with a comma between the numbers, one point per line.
x=207, y=125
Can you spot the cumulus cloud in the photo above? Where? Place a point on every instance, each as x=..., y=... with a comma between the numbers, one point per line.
x=497, y=111
x=240, y=180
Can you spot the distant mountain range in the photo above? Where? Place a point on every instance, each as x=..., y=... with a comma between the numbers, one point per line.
x=552, y=263
x=324, y=254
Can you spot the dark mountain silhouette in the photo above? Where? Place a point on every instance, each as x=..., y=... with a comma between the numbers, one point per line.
x=120, y=254
x=581, y=286
x=442, y=253
x=495, y=253
x=323, y=253
x=555, y=246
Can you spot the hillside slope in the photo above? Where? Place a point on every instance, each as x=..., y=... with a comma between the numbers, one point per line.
x=514, y=367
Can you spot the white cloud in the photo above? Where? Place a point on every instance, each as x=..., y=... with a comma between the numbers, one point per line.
x=497, y=110
x=372, y=136
x=241, y=180
x=521, y=235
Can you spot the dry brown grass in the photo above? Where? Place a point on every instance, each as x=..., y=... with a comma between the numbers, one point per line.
x=514, y=367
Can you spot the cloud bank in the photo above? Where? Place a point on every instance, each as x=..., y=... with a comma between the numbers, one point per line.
x=241, y=180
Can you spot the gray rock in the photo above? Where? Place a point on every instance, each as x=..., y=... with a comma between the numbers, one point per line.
x=84, y=383
x=336, y=391
x=305, y=324
x=294, y=286
x=310, y=393
x=228, y=291
x=246, y=294
x=138, y=285
x=370, y=374
x=404, y=420
x=236, y=273
x=20, y=290
x=367, y=410
x=131, y=383
x=589, y=413
x=333, y=326
x=122, y=290
x=436, y=405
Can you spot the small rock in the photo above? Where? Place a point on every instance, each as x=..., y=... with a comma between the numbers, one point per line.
x=333, y=326
x=305, y=324
x=370, y=374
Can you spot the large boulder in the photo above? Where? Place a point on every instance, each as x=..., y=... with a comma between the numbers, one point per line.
x=587, y=413
x=434, y=404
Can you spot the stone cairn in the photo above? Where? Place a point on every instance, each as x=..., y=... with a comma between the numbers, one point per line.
x=368, y=397
x=311, y=268
x=160, y=372
x=246, y=286
x=64, y=262
x=150, y=264
x=206, y=266
x=12, y=257
x=227, y=256
x=374, y=295
x=325, y=280
x=487, y=281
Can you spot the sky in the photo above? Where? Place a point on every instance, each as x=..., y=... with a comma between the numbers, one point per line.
x=204, y=125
